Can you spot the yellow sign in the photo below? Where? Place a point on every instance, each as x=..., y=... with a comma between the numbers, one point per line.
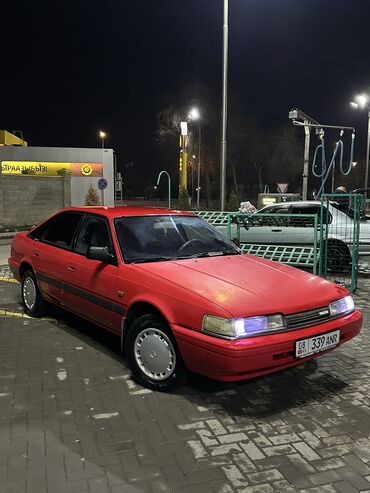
x=50, y=169
x=86, y=169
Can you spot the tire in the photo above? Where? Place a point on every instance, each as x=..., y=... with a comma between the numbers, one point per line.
x=152, y=354
x=33, y=304
x=339, y=257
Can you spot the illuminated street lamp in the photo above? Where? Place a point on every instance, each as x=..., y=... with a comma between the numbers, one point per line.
x=102, y=135
x=362, y=102
x=195, y=116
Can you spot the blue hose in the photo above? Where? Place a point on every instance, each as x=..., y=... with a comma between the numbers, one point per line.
x=326, y=171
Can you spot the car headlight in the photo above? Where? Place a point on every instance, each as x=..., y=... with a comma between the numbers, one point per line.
x=238, y=328
x=342, y=306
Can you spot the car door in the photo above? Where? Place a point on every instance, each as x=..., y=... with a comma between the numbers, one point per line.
x=51, y=245
x=266, y=227
x=90, y=289
x=301, y=230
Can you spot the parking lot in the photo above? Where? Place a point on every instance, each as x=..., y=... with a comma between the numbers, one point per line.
x=72, y=419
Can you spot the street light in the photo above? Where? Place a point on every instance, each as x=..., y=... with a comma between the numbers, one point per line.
x=195, y=116
x=362, y=102
x=224, y=106
x=169, y=185
x=102, y=135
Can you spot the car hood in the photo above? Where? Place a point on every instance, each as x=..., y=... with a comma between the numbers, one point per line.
x=248, y=285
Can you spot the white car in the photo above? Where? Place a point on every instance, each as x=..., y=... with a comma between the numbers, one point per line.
x=339, y=228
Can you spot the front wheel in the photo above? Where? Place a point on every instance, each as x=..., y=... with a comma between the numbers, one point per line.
x=152, y=354
x=33, y=304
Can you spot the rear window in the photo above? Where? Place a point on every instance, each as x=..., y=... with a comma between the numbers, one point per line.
x=59, y=230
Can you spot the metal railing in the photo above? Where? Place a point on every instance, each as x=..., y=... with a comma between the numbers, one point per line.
x=340, y=238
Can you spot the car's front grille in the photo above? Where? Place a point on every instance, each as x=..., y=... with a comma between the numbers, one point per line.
x=305, y=319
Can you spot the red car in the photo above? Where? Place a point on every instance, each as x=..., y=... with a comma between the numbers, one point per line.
x=179, y=294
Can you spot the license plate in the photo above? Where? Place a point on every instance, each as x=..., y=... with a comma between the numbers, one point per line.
x=312, y=345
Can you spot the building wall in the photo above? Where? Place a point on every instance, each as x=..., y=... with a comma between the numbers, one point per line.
x=27, y=199
x=79, y=185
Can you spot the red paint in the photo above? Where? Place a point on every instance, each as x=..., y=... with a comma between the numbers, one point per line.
x=184, y=291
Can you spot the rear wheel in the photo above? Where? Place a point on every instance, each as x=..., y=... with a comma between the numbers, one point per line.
x=152, y=354
x=339, y=257
x=33, y=303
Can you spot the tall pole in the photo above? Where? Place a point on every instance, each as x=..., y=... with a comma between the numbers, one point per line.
x=183, y=157
x=224, y=106
x=367, y=150
x=198, y=181
x=307, y=132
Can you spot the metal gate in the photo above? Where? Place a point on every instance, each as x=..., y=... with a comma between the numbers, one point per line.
x=339, y=238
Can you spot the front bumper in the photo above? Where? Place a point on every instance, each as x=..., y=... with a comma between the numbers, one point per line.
x=251, y=357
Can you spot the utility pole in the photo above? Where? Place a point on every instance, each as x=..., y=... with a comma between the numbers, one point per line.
x=183, y=157
x=224, y=106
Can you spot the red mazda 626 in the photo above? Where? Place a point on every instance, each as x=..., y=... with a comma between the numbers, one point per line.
x=179, y=294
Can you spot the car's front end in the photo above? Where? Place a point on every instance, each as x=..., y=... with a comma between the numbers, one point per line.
x=246, y=348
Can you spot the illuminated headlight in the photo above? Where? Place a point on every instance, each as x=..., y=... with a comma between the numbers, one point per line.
x=237, y=328
x=342, y=306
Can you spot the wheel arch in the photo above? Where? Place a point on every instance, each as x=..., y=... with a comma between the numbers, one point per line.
x=24, y=266
x=137, y=309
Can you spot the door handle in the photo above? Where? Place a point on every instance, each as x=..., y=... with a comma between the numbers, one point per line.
x=36, y=253
x=276, y=230
x=71, y=268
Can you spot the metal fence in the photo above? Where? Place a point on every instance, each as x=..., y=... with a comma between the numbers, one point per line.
x=288, y=238
x=326, y=243
x=340, y=238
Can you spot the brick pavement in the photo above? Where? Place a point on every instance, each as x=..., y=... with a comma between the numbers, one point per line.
x=72, y=420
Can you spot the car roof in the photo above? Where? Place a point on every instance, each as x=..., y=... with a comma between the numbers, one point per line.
x=113, y=211
x=296, y=202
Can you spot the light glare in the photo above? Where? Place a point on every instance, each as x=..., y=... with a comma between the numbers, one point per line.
x=194, y=114
x=362, y=100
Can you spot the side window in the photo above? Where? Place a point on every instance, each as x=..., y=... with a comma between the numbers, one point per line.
x=94, y=232
x=273, y=219
x=313, y=209
x=277, y=209
x=60, y=230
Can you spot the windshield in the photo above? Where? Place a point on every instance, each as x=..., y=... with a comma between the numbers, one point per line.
x=169, y=237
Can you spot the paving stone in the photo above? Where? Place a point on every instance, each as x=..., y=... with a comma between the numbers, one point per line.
x=301, y=430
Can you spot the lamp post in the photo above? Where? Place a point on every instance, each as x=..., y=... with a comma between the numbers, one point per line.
x=362, y=102
x=195, y=115
x=102, y=135
x=169, y=185
x=224, y=106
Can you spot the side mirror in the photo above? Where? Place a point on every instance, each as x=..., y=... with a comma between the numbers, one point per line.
x=99, y=253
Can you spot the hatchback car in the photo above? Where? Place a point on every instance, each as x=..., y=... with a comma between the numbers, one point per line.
x=179, y=294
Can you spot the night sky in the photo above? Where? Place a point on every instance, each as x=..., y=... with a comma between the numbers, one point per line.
x=70, y=68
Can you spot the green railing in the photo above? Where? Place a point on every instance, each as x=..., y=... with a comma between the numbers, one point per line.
x=339, y=239
x=297, y=246
x=297, y=252
x=331, y=250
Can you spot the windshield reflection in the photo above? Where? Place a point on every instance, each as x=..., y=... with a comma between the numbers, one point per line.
x=169, y=237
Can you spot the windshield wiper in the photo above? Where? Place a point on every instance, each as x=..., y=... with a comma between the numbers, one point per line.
x=152, y=259
x=184, y=257
x=210, y=254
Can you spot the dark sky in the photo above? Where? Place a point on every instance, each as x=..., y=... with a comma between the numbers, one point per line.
x=70, y=68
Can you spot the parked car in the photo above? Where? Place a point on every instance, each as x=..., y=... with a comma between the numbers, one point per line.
x=179, y=294
x=338, y=228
